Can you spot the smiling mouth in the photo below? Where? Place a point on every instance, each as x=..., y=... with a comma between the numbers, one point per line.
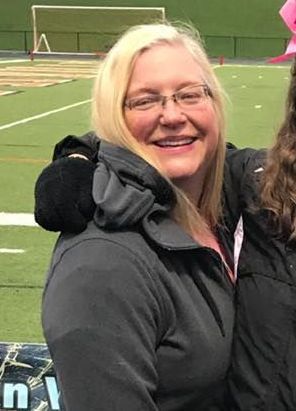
x=173, y=142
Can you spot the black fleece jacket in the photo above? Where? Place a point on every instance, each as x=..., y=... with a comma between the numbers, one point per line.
x=137, y=316
x=263, y=371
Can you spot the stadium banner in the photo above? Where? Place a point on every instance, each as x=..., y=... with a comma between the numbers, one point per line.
x=27, y=378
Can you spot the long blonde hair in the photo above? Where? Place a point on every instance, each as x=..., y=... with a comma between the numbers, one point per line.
x=109, y=123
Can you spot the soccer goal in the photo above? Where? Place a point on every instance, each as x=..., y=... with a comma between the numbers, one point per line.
x=85, y=30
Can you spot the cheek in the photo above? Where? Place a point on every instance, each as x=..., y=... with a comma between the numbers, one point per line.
x=208, y=121
x=139, y=125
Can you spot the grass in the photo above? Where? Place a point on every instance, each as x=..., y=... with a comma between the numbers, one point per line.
x=257, y=96
x=254, y=113
x=20, y=316
x=22, y=278
x=25, y=270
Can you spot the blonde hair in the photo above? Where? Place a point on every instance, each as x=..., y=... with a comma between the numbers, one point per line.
x=109, y=123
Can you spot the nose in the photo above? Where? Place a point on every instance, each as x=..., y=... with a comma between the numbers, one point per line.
x=172, y=114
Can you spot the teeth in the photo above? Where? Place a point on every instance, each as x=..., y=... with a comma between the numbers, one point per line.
x=175, y=143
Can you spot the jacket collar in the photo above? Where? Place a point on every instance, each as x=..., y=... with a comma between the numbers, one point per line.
x=129, y=192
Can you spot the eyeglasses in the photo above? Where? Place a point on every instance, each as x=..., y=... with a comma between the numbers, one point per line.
x=188, y=97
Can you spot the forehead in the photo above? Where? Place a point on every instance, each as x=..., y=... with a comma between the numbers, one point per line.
x=165, y=65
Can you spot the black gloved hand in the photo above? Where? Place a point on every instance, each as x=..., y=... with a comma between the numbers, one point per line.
x=63, y=195
x=230, y=145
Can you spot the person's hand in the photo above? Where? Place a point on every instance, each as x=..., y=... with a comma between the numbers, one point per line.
x=63, y=195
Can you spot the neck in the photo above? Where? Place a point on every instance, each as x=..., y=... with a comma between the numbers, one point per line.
x=191, y=187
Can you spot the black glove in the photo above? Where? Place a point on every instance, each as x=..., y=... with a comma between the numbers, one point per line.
x=63, y=195
x=87, y=145
x=230, y=145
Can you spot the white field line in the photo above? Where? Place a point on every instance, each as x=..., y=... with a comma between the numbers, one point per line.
x=270, y=66
x=11, y=250
x=47, y=113
x=15, y=61
x=19, y=219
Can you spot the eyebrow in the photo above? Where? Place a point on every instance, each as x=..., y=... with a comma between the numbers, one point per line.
x=191, y=83
x=151, y=90
x=143, y=90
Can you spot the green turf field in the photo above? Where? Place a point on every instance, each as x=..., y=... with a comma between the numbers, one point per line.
x=34, y=118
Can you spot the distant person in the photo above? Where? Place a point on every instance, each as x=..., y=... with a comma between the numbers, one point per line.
x=138, y=308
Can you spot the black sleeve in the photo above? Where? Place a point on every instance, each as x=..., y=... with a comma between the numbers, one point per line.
x=87, y=145
x=100, y=316
x=263, y=311
x=235, y=170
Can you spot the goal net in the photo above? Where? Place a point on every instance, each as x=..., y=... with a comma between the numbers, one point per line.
x=85, y=30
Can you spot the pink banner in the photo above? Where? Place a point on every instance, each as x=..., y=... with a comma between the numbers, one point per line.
x=288, y=14
x=289, y=53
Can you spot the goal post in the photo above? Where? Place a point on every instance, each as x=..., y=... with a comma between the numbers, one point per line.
x=85, y=29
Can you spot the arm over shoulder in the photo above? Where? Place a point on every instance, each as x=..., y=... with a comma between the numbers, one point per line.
x=100, y=318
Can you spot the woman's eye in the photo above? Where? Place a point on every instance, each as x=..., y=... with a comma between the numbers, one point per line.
x=190, y=96
x=144, y=101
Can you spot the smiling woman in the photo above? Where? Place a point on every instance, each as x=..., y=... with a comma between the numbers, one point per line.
x=161, y=63
x=141, y=302
x=180, y=137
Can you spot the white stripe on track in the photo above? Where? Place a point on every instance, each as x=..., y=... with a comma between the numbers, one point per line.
x=47, y=113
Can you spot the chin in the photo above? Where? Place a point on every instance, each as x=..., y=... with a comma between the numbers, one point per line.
x=184, y=171
x=182, y=175
x=187, y=178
